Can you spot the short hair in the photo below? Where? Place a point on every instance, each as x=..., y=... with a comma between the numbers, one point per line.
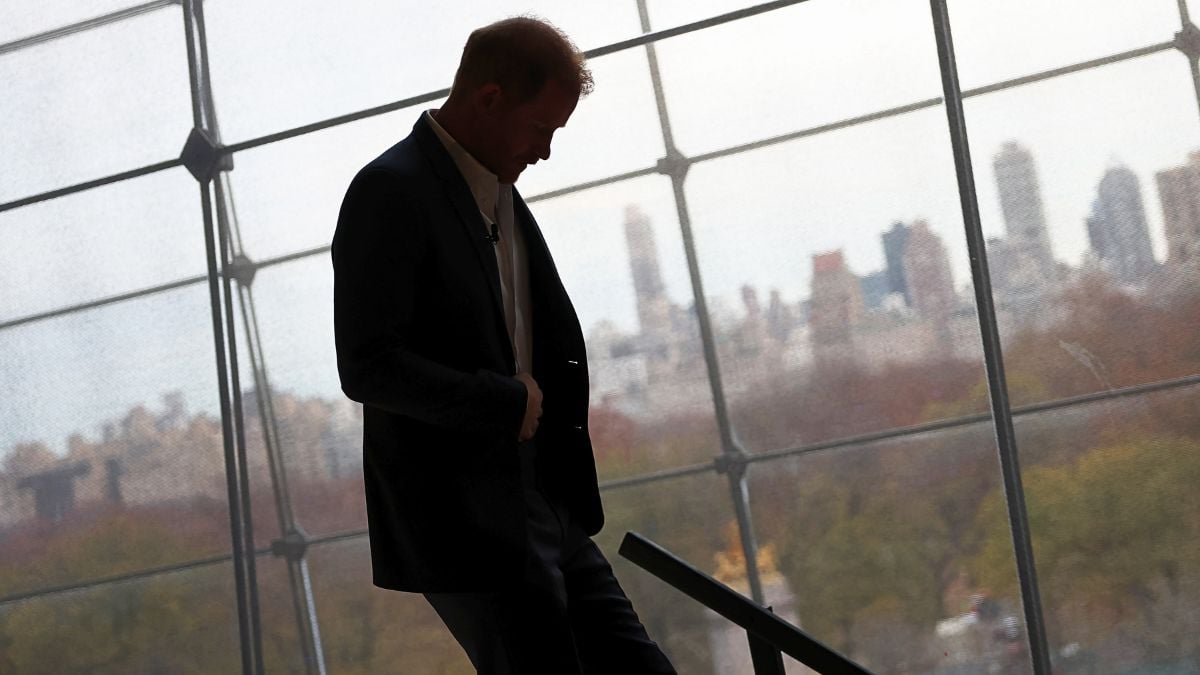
x=520, y=54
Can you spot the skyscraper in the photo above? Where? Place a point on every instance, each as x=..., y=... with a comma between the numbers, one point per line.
x=894, y=241
x=927, y=268
x=1117, y=227
x=780, y=318
x=875, y=287
x=1021, y=202
x=836, y=299
x=653, y=308
x=1179, y=190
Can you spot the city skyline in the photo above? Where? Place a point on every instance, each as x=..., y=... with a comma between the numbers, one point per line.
x=648, y=280
x=724, y=308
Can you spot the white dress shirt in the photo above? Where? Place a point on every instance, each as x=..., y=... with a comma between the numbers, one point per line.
x=495, y=203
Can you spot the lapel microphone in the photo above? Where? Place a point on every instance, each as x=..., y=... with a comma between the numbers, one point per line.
x=494, y=237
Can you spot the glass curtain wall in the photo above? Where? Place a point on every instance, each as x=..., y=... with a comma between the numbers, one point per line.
x=900, y=344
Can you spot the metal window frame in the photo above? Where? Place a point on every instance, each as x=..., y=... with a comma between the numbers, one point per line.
x=226, y=268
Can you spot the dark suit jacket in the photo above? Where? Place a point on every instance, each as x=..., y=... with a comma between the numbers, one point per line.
x=422, y=344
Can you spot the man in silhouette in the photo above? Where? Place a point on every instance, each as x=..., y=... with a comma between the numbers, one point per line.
x=455, y=333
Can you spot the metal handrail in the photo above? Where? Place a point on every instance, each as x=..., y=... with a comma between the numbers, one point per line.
x=768, y=634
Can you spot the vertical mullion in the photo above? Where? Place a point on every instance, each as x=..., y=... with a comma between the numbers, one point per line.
x=233, y=440
x=245, y=633
x=993, y=356
x=676, y=165
x=240, y=431
x=299, y=579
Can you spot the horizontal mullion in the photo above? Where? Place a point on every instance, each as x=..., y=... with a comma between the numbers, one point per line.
x=337, y=537
x=95, y=183
x=936, y=101
x=580, y=187
x=647, y=38
x=116, y=579
x=670, y=474
x=289, y=257
x=813, y=131
x=335, y=121
x=84, y=306
x=967, y=420
x=151, y=290
x=87, y=24
x=658, y=35
x=432, y=96
x=657, y=476
x=650, y=38
x=1067, y=70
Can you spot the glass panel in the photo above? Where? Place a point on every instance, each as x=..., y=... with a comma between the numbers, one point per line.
x=1000, y=41
x=878, y=552
x=796, y=68
x=320, y=430
x=88, y=106
x=288, y=194
x=371, y=630
x=1093, y=235
x=651, y=402
x=692, y=518
x=181, y=622
x=1077, y=207
x=86, y=246
x=356, y=57
x=111, y=441
x=1116, y=530
x=840, y=283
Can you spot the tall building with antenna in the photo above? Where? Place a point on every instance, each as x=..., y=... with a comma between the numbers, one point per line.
x=653, y=307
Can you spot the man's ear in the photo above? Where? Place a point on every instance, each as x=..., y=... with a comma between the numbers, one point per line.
x=489, y=100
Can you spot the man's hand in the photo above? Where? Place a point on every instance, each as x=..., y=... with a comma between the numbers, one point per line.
x=533, y=405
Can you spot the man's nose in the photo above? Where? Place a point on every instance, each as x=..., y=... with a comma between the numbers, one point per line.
x=544, y=151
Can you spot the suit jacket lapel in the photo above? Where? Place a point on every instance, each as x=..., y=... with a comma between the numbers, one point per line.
x=464, y=204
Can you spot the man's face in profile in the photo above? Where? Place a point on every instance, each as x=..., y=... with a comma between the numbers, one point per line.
x=522, y=133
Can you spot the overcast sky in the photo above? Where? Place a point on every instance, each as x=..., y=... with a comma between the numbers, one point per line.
x=115, y=98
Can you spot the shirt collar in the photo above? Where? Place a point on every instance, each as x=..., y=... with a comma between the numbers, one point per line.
x=484, y=185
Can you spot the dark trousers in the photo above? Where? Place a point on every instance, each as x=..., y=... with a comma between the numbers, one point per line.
x=567, y=615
